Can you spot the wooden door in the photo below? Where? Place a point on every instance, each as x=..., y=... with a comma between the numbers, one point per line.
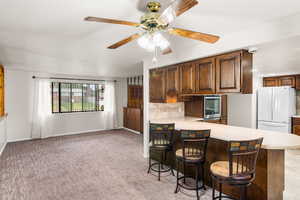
x=205, y=76
x=1, y=91
x=298, y=83
x=271, y=82
x=187, y=78
x=287, y=81
x=157, y=86
x=172, y=84
x=228, y=73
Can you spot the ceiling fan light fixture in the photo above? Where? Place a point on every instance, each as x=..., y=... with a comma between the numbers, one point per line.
x=151, y=41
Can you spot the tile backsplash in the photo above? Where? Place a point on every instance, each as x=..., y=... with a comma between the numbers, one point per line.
x=166, y=110
x=298, y=102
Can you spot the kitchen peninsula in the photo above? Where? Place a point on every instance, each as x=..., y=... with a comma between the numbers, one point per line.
x=269, y=182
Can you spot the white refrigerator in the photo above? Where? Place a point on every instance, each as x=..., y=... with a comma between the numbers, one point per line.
x=276, y=106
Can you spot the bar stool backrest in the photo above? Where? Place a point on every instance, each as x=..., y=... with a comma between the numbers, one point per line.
x=161, y=134
x=243, y=156
x=194, y=143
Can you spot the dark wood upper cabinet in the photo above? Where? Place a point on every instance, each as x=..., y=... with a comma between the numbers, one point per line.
x=297, y=82
x=157, y=85
x=135, y=96
x=271, y=82
x=187, y=78
x=277, y=81
x=205, y=76
x=172, y=84
x=287, y=81
x=228, y=73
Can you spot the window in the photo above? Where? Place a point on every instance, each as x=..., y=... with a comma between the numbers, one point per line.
x=77, y=97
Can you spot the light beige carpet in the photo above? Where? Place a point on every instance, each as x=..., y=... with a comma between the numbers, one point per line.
x=106, y=165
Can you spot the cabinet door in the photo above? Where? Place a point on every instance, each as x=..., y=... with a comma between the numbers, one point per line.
x=271, y=82
x=172, y=84
x=287, y=81
x=187, y=78
x=205, y=76
x=1, y=91
x=125, y=117
x=228, y=73
x=298, y=83
x=224, y=108
x=157, y=85
x=296, y=130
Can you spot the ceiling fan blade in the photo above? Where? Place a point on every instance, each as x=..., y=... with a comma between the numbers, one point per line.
x=185, y=5
x=110, y=21
x=176, y=8
x=194, y=35
x=167, y=51
x=125, y=41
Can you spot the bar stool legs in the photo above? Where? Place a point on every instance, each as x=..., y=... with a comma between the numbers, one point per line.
x=243, y=192
x=183, y=178
x=161, y=168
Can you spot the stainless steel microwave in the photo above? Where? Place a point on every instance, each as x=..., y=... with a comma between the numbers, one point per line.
x=212, y=107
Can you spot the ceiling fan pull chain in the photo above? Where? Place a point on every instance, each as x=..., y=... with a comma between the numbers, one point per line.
x=154, y=60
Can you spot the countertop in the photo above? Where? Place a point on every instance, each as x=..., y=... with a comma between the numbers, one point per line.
x=296, y=116
x=272, y=140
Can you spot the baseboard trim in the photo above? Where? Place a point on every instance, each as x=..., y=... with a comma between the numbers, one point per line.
x=62, y=134
x=78, y=132
x=19, y=140
x=133, y=131
x=2, y=149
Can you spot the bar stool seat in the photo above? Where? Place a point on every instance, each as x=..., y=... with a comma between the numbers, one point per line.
x=199, y=156
x=221, y=168
x=239, y=170
x=192, y=153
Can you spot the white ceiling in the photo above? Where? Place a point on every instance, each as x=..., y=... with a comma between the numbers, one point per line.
x=51, y=36
x=278, y=57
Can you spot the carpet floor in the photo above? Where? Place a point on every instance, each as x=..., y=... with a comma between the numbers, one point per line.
x=107, y=165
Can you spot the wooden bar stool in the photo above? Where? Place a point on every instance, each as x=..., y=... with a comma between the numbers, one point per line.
x=161, y=139
x=239, y=170
x=192, y=153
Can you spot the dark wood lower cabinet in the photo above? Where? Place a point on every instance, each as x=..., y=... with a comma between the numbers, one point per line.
x=296, y=125
x=133, y=119
x=269, y=181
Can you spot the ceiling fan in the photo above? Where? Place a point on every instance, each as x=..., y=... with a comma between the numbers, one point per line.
x=153, y=23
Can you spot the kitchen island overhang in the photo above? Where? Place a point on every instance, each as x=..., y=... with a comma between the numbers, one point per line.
x=269, y=181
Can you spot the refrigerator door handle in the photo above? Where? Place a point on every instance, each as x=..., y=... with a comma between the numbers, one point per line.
x=273, y=125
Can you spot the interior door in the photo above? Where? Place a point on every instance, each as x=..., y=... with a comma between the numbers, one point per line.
x=281, y=104
x=265, y=104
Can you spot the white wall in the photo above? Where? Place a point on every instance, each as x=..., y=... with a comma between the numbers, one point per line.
x=2, y=134
x=240, y=110
x=19, y=98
